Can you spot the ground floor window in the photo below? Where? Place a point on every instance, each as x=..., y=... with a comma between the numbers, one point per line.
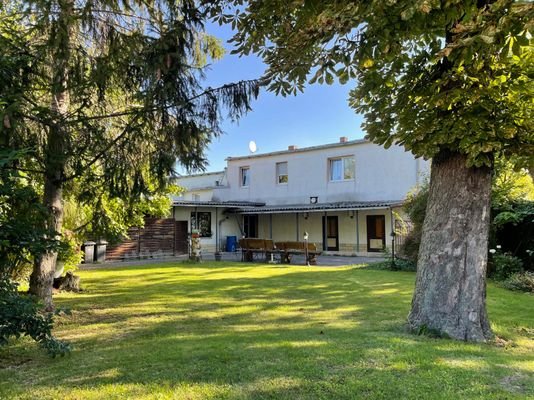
x=250, y=226
x=202, y=222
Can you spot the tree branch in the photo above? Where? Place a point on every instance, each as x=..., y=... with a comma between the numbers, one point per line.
x=104, y=151
x=141, y=109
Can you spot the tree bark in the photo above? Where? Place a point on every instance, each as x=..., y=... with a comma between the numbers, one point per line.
x=42, y=277
x=450, y=291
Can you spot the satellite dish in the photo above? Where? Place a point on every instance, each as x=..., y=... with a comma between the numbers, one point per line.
x=252, y=146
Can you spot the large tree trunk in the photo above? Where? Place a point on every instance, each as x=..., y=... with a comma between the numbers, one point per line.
x=42, y=277
x=450, y=290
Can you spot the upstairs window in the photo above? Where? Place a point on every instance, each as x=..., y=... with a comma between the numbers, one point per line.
x=341, y=169
x=195, y=197
x=245, y=176
x=281, y=173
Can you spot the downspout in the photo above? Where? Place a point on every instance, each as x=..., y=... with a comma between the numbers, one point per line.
x=220, y=228
x=239, y=225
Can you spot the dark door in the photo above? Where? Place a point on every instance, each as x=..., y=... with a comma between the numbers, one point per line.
x=180, y=237
x=250, y=226
x=376, y=232
x=332, y=233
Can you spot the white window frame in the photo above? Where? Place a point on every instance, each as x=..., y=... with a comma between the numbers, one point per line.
x=278, y=174
x=343, y=160
x=241, y=170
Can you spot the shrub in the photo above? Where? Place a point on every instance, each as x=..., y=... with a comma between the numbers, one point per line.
x=405, y=265
x=503, y=265
x=400, y=265
x=20, y=315
x=415, y=208
x=523, y=281
x=69, y=252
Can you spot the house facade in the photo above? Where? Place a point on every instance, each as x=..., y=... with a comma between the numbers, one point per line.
x=344, y=195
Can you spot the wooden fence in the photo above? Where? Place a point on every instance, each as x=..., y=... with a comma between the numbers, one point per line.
x=158, y=238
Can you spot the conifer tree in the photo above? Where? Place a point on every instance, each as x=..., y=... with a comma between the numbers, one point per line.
x=107, y=95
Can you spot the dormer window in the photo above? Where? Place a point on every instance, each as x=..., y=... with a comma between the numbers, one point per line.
x=244, y=173
x=341, y=169
x=281, y=173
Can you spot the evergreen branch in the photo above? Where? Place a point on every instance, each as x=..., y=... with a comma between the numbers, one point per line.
x=166, y=107
x=117, y=139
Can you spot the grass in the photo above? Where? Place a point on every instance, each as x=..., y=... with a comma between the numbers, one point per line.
x=238, y=331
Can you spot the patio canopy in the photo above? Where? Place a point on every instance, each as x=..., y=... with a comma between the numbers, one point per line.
x=217, y=204
x=318, y=207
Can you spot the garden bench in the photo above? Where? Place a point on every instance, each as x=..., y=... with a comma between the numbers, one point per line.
x=289, y=249
x=254, y=248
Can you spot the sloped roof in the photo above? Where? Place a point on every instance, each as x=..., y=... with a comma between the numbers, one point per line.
x=338, y=206
x=219, y=204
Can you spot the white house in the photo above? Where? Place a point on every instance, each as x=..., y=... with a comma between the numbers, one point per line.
x=343, y=194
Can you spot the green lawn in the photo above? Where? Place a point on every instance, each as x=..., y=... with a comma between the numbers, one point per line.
x=238, y=331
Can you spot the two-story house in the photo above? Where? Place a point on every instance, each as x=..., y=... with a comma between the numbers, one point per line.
x=342, y=194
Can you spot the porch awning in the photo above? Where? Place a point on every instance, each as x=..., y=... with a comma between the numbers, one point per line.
x=319, y=207
x=217, y=204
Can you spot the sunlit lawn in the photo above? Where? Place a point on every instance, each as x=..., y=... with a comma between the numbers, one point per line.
x=238, y=331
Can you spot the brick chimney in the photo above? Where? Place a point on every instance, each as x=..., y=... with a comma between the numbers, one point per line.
x=343, y=139
x=292, y=147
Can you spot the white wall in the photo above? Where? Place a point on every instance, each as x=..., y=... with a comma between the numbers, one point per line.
x=200, y=184
x=380, y=175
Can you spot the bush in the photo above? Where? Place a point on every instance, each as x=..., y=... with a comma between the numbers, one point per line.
x=400, y=265
x=503, y=265
x=405, y=265
x=523, y=281
x=20, y=315
x=69, y=252
x=415, y=208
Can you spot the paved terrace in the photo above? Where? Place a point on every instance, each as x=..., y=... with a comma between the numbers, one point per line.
x=323, y=260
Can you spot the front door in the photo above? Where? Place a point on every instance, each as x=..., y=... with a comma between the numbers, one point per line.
x=376, y=232
x=332, y=233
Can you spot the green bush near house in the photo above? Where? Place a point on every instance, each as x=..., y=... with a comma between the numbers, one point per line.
x=240, y=331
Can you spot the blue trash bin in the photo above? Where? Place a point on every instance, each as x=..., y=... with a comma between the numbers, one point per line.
x=231, y=243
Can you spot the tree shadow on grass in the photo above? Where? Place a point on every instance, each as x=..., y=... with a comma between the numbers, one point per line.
x=296, y=333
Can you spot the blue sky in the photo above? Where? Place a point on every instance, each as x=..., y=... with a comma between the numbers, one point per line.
x=319, y=115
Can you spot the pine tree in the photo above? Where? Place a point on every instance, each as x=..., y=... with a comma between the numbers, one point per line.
x=107, y=95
